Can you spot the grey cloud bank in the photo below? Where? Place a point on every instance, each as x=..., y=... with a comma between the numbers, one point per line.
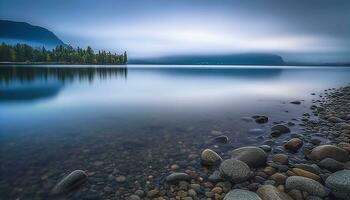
x=313, y=30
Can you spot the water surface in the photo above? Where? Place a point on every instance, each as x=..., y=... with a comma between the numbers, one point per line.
x=136, y=121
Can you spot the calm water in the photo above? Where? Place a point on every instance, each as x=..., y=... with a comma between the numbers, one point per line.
x=136, y=121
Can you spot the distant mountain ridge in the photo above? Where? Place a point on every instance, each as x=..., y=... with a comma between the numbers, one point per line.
x=12, y=32
x=230, y=59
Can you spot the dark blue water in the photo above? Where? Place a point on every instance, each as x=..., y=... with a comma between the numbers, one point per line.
x=136, y=121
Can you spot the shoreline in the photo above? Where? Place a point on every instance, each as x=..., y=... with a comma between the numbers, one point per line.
x=313, y=163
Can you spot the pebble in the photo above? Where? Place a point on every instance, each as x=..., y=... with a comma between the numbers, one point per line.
x=235, y=170
x=279, y=178
x=71, y=181
x=239, y=194
x=331, y=164
x=221, y=139
x=307, y=185
x=252, y=156
x=178, y=176
x=120, y=179
x=307, y=174
x=329, y=151
x=280, y=158
x=269, y=192
x=210, y=157
x=281, y=128
x=294, y=144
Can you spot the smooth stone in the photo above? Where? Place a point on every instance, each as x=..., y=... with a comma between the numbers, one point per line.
x=215, y=177
x=329, y=151
x=331, y=164
x=210, y=157
x=279, y=178
x=71, y=181
x=281, y=128
x=252, y=156
x=275, y=133
x=221, y=139
x=134, y=197
x=339, y=183
x=310, y=168
x=294, y=144
x=307, y=185
x=178, y=176
x=120, y=179
x=307, y=174
x=296, y=194
x=280, y=158
x=261, y=119
x=239, y=194
x=236, y=170
x=265, y=147
x=295, y=102
x=269, y=192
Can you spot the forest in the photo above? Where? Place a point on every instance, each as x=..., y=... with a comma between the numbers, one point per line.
x=62, y=54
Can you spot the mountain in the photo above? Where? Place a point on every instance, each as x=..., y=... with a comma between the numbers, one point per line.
x=20, y=32
x=232, y=59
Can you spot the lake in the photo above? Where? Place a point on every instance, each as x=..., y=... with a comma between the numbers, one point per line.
x=136, y=121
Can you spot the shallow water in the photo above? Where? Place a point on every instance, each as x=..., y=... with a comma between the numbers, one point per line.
x=136, y=121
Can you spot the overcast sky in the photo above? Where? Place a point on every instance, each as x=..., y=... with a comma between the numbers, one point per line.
x=301, y=30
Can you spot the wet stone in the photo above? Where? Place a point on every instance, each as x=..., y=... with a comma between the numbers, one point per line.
x=70, y=182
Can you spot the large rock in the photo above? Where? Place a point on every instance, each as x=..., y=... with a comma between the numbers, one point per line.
x=210, y=157
x=235, y=170
x=252, y=156
x=307, y=185
x=294, y=144
x=270, y=192
x=71, y=181
x=178, y=176
x=331, y=164
x=329, y=151
x=339, y=183
x=280, y=128
x=239, y=194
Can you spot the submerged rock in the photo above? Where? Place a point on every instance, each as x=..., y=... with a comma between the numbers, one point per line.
x=295, y=102
x=238, y=194
x=71, y=181
x=268, y=192
x=339, y=183
x=260, y=119
x=252, y=156
x=221, y=139
x=210, y=157
x=294, y=144
x=307, y=185
x=329, y=151
x=235, y=170
x=178, y=176
x=281, y=128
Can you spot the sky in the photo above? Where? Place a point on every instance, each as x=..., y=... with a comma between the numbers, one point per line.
x=298, y=30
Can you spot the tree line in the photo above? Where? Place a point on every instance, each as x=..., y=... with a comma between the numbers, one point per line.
x=60, y=54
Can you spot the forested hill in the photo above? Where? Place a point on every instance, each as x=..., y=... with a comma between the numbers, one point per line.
x=62, y=54
x=12, y=32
